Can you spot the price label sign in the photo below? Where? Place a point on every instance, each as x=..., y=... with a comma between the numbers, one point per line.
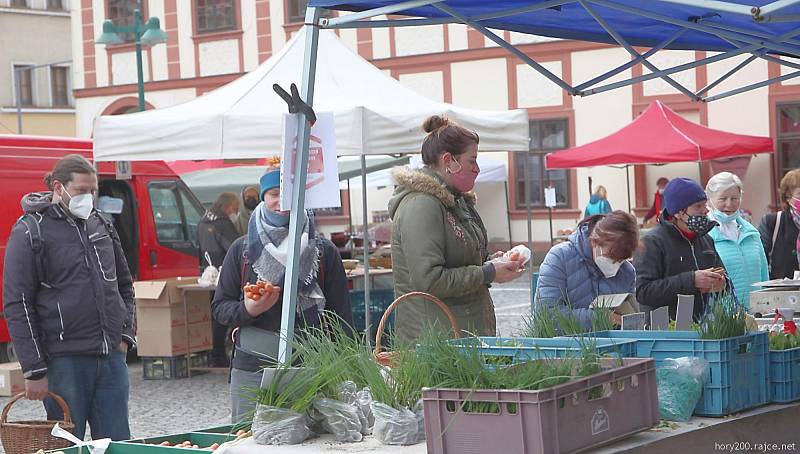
x=123, y=170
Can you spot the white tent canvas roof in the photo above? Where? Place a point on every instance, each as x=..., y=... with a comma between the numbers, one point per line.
x=374, y=114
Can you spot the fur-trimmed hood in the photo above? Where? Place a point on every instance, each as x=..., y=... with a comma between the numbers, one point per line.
x=423, y=180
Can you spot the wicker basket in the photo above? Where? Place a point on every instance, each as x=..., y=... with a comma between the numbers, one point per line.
x=385, y=358
x=26, y=437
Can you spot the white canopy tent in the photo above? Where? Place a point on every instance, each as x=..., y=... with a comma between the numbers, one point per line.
x=374, y=114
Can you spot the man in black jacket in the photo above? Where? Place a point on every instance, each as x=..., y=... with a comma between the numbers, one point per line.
x=261, y=255
x=678, y=258
x=215, y=234
x=68, y=297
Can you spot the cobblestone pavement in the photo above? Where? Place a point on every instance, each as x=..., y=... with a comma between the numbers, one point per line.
x=160, y=407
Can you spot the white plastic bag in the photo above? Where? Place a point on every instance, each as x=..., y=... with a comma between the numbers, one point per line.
x=522, y=250
x=341, y=419
x=210, y=274
x=279, y=426
x=398, y=427
x=94, y=446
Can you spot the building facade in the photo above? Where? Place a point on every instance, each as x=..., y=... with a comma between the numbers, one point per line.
x=212, y=42
x=36, y=67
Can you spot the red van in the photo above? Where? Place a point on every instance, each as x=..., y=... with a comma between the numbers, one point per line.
x=156, y=214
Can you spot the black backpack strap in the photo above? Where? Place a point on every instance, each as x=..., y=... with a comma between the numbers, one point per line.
x=37, y=246
x=109, y=225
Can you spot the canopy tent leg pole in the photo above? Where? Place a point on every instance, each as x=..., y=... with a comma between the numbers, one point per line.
x=628, y=180
x=700, y=172
x=508, y=214
x=530, y=221
x=296, y=221
x=350, y=219
x=366, y=244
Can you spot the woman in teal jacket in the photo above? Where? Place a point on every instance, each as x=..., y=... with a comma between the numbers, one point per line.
x=737, y=242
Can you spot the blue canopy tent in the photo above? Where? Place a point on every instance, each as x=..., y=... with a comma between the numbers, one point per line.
x=756, y=28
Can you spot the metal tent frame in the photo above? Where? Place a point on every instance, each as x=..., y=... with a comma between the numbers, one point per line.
x=732, y=29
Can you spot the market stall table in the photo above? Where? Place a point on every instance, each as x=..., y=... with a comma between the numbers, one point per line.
x=380, y=278
x=768, y=424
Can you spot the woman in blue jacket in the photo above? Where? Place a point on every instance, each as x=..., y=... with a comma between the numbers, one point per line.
x=737, y=242
x=593, y=262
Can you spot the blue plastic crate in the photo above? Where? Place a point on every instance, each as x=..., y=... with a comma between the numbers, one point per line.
x=503, y=351
x=379, y=300
x=739, y=366
x=784, y=375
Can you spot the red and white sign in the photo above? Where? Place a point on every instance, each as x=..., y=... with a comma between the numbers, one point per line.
x=322, y=180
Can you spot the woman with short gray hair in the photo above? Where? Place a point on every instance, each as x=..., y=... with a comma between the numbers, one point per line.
x=737, y=242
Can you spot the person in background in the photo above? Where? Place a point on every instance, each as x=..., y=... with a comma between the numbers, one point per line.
x=737, y=242
x=678, y=256
x=439, y=242
x=782, y=244
x=658, y=201
x=598, y=203
x=261, y=255
x=250, y=201
x=593, y=262
x=215, y=233
x=69, y=306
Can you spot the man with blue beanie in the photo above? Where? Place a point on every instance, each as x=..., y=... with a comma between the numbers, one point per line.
x=261, y=255
x=678, y=256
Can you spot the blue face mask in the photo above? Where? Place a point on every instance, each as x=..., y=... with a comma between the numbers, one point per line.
x=725, y=218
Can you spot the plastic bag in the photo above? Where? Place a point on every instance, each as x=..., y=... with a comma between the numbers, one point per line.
x=279, y=426
x=522, y=250
x=361, y=399
x=398, y=427
x=210, y=274
x=341, y=419
x=680, y=384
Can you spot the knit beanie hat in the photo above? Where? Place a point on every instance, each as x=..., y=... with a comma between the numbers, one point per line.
x=269, y=180
x=680, y=193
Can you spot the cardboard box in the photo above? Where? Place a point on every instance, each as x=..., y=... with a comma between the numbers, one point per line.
x=164, y=292
x=11, y=380
x=172, y=341
x=159, y=318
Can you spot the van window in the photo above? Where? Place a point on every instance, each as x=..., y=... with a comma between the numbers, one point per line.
x=176, y=213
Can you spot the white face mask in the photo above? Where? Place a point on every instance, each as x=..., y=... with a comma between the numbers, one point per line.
x=233, y=217
x=607, y=266
x=81, y=205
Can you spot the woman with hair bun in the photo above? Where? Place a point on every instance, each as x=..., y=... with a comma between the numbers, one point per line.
x=439, y=242
x=593, y=262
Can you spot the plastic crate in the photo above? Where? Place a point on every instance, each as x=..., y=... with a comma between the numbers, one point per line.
x=379, y=300
x=559, y=419
x=504, y=351
x=171, y=367
x=784, y=375
x=738, y=366
x=153, y=444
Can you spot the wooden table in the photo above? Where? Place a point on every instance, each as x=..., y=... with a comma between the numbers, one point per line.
x=353, y=276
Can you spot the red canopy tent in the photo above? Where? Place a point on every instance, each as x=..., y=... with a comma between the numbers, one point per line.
x=659, y=136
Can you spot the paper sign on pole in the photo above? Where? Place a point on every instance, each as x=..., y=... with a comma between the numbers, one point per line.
x=550, y=197
x=322, y=181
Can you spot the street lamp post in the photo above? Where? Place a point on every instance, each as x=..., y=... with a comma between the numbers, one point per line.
x=147, y=33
